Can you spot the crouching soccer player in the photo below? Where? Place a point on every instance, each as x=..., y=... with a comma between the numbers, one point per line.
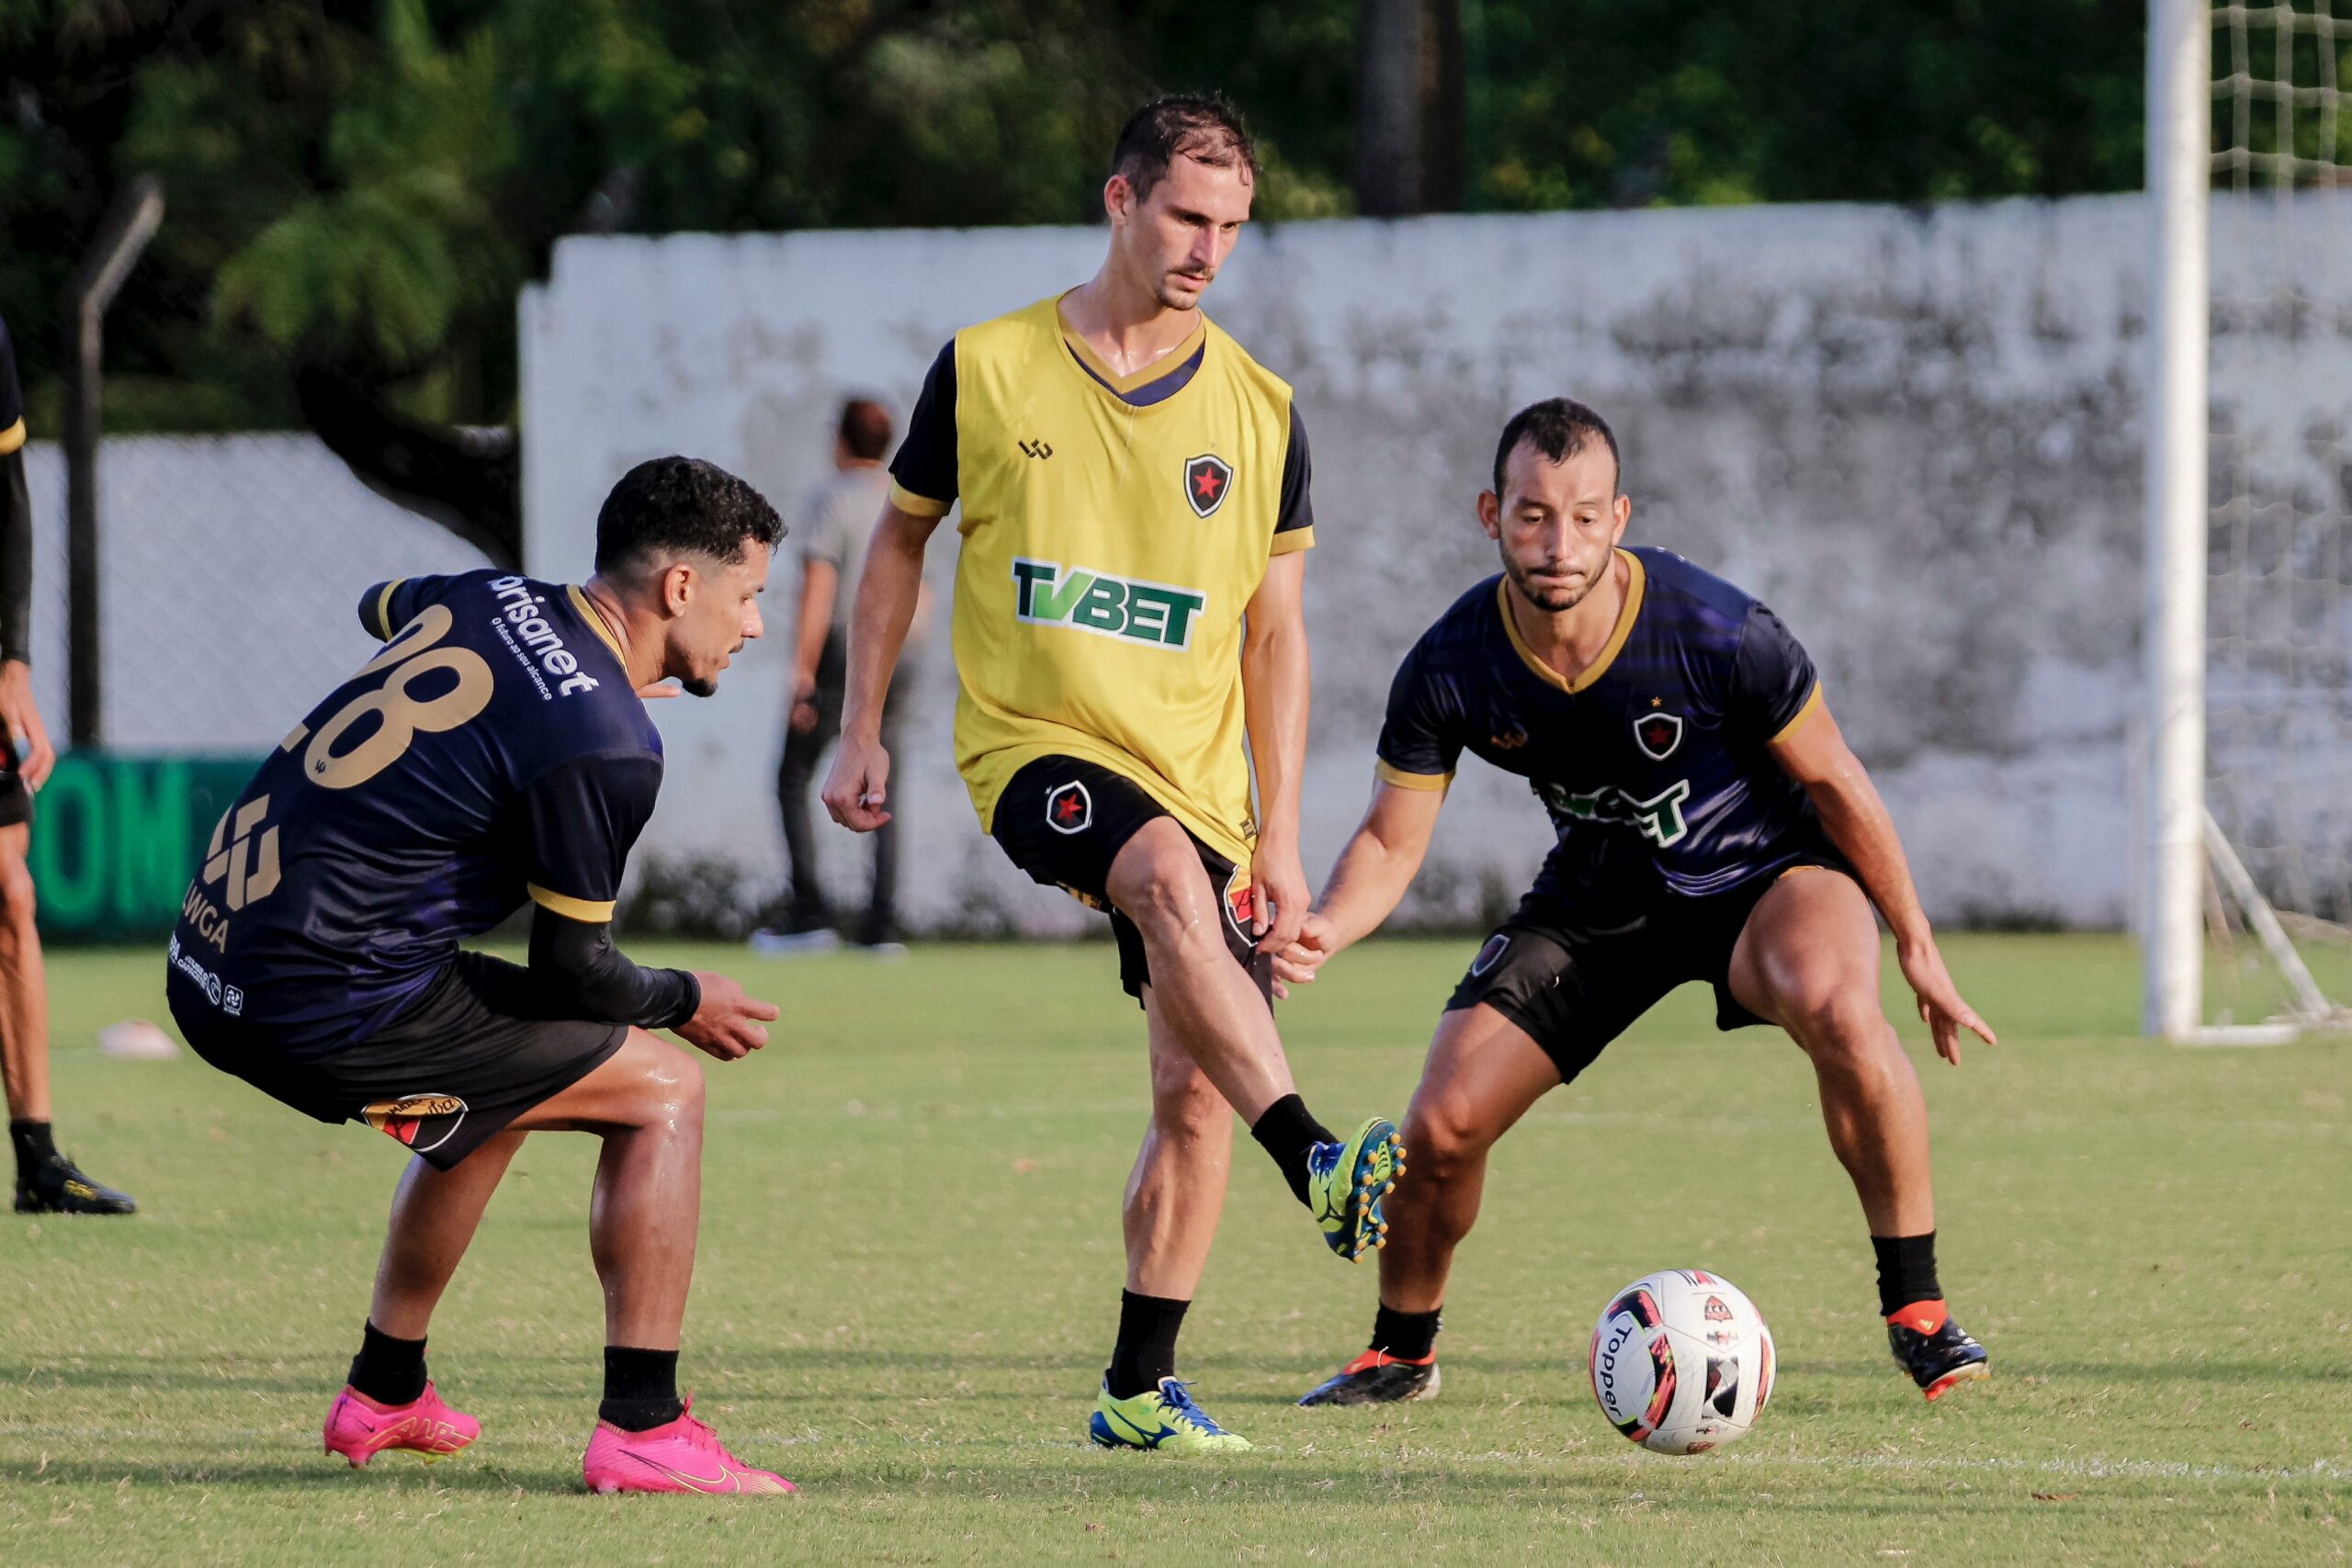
x=495, y=752
x=1713, y=825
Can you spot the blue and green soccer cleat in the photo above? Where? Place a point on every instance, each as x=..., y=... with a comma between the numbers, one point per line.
x=1346, y=1181
x=1162, y=1419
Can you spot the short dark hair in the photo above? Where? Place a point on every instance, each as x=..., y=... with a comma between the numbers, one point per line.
x=1203, y=127
x=864, y=429
x=679, y=506
x=1559, y=428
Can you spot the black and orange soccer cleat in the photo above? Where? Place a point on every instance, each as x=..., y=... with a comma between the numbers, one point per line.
x=1937, y=1353
x=1377, y=1378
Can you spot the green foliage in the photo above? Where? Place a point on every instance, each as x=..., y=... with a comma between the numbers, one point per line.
x=368, y=181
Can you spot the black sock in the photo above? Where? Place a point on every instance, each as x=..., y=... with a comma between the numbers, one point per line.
x=1147, y=1349
x=388, y=1370
x=640, y=1388
x=33, y=1145
x=1906, y=1272
x=1407, y=1336
x=1287, y=1132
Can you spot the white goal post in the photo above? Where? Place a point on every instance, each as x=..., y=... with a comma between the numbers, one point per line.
x=2248, y=566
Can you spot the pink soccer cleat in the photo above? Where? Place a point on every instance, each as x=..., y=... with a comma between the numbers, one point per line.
x=683, y=1455
x=358, y=1429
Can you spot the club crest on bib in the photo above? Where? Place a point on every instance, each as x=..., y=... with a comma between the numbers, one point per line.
x=1068, y=809
x=1657, y=734
x=423, y=1122
x=1206, y=480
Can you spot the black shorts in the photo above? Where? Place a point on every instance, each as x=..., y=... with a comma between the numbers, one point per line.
x=15, y=800
x=1064, y=821
x=1576, y=975
x=472, y=1052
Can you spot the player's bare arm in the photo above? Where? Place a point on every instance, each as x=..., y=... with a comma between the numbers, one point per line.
x=1815, y=753
x=1274, y=681
x=1369, y=878
x=819, y=582
x=889, y=587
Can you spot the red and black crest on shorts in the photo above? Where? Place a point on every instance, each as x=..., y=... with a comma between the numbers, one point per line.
x=423, y=1122
x=1207, y=478
x=1068, y=809
x=1657, y=734
x=1490, y=954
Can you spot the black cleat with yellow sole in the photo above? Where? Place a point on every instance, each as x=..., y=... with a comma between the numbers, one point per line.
x=54, y=1185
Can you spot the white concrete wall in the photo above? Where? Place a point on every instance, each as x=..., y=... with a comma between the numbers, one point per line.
x=1912, y=432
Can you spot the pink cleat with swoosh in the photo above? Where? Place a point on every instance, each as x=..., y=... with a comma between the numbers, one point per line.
x=359, y=1429
x=683, y=1455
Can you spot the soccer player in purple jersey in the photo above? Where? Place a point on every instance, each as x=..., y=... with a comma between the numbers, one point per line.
x=1713, y=825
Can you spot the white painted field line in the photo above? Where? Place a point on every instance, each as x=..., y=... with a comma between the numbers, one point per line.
x=2084, y=1469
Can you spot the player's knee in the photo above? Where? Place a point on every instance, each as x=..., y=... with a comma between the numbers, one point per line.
x=1168, y=903
x=1443, y=1138
x=670, y=1088
x=1841, y=1024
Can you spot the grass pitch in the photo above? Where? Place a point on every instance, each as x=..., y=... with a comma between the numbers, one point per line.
x=910, y=1268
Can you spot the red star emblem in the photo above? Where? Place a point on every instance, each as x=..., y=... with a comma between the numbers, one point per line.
x=1207, y=478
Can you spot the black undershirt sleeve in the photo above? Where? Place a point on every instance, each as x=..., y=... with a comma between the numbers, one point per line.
x=15, y=560
x=586, y=975
x=15, y=514
x=925, y=463
x=1296, y=508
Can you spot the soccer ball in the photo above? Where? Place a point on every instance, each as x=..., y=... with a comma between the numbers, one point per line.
x=1681, y=1361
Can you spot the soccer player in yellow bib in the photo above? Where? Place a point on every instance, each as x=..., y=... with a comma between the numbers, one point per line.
x=1127, y=613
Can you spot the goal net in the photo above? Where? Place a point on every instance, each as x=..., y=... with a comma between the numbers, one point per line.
x=2275, y=884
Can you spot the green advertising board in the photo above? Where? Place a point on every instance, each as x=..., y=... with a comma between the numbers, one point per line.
x=117, y=838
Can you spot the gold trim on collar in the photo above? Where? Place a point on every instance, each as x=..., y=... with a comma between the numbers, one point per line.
x=595, y=619
x=1165, y=366
x=1608, y=651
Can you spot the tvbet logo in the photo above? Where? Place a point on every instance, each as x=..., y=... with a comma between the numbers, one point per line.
x=1048, y=594
x=1659, y=818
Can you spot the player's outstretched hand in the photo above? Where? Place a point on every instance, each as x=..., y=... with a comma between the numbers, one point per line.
x=1940, y=1007
x=1298, y=964
x=729, y=1025
x=1278, y=895
x=21, y=714
x=858, y=786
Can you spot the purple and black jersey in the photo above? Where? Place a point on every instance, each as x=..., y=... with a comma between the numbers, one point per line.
x=1652, y=764
x=493, y=751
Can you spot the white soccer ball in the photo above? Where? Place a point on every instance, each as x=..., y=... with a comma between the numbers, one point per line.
x=1681, y=1361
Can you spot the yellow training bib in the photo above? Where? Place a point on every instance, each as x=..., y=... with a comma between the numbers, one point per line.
x=1110, y=548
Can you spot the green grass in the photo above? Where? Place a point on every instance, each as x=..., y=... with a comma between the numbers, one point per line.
x=909, y=1273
